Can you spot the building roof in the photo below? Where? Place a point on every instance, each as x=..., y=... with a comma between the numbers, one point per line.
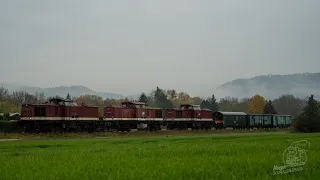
x=269, y=115
x=232, y=113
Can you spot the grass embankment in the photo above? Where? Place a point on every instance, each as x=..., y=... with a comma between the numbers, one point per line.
x=249, y=156
x=134, y=134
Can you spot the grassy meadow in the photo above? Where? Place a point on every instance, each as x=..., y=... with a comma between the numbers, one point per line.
x=211, y=156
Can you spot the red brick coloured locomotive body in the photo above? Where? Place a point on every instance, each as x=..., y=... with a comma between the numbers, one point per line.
x=62, y=115
x=132, y=111
x=57, y=109
x=57, y=114
x=189, y=116
x=132, y=114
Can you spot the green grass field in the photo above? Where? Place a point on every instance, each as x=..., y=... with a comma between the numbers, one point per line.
x=219, y=156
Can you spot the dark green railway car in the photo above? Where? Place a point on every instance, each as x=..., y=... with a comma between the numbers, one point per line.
x=269, y=120
x=231, y=119
x=282, y=121
x=260, y=120
x=240, y=120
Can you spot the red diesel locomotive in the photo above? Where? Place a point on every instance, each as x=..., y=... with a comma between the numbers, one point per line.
x=62, y=115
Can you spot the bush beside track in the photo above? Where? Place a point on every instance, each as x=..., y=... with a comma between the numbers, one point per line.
x=10, y=127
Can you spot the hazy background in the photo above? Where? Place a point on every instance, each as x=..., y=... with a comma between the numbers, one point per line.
x=132, y=46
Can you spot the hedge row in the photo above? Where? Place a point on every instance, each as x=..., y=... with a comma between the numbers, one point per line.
x=9, y=127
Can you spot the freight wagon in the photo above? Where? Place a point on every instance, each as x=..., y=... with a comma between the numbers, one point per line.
x=241, y=120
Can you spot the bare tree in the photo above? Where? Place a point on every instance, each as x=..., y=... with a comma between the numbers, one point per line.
x=3, y=93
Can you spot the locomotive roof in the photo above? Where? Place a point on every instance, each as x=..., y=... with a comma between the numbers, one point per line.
x=148, y=107
x=193, y=105
x=269, y=114
x=52, y=104
x=56, y=102
x=232, y=113
x=132, y=102
x=59, y=100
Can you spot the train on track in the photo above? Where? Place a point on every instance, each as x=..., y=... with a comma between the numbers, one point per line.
x=60, y=115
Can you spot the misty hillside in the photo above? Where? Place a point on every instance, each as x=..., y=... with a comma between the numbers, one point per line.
x=62, y=91
x=269, y=86
x=273, y=86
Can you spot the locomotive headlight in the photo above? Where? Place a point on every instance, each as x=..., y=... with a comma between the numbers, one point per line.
x=30, y=118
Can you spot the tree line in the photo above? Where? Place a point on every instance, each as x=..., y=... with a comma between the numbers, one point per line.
x=168, y=98
x=306, y=113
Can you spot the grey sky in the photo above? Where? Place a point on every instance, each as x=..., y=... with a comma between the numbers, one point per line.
x=132, y=46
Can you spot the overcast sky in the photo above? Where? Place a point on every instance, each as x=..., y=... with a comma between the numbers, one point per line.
x=130, y=46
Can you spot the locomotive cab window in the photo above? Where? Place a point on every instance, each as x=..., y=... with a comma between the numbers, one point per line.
x=40, y=111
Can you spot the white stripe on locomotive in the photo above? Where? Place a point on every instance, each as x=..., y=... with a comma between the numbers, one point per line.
x=110, y=119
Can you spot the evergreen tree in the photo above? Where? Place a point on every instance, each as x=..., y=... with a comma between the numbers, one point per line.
x=268, y=108
x=205, y=104
x=308, y=121
x=143, y=98
x=214, y=106
x=210, y=103
x=68, y=97
x=173, y=94
x=312, y=108
x=161, y=100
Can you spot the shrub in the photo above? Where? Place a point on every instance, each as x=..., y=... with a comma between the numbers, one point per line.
x=305, y=124
x=309, y=120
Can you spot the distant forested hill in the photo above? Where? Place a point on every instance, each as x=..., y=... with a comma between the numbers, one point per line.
x=269, y=86
x=74, y=91
x=273, y=86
